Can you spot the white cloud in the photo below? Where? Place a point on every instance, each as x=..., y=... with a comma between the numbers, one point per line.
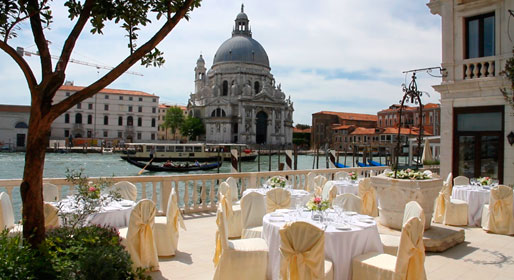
x=331, y=55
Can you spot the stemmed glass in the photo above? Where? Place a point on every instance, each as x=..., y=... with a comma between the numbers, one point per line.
x=473, y=181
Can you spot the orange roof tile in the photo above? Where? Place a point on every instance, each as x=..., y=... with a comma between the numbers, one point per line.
x=110, y=91
x=162, y=105
x=431, y=105
x=337, y=127
x=350, y=116
x=405, y=131
x=14, y=108
x=363, y=131
x=297, y=130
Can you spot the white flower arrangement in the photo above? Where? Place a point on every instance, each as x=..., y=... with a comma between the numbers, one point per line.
x=277, y=182
x=410, y=175
x=485, y=181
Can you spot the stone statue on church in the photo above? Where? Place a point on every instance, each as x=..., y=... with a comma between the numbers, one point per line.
x=235, y=89
x=215, y=90
x=247, y=90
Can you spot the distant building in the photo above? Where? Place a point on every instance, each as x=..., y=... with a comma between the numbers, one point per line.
x=302, y=137
x=410, y=117
x=111, y=114
x=238, y=99
x=475, y=118
x=14, y=120
x=166, y=133
x=324, y=121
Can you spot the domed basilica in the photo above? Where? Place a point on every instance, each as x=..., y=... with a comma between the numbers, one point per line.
x=237, y=99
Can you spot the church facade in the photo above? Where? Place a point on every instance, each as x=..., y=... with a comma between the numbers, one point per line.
x=237, y=99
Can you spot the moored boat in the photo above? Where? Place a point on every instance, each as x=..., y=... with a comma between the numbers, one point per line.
x=186, y=152
x=174, y=168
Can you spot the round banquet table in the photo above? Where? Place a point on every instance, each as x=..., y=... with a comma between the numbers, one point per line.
x=476, y=197
x=114, y=213
x=298, y=197
x=346, y=186
x=340, y=245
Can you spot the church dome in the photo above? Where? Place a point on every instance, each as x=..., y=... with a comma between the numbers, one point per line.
x=241, y=48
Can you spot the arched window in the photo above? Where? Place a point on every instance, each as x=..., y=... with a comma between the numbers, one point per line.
x=225, y=88
x=78, y=118
x=139, y=122
x=130, y=121
x=106, y=120
x=223, y=113
x=21, y=125
x=213, y=114
x=153, y=122
x=120, y=120
x=67, y=118
x=218, y=113
x=89, y=119
x=257, y=87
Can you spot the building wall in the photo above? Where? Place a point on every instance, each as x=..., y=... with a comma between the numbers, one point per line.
x=166, y=133
x=9, y=118
x=113, y=106
x=460, y=88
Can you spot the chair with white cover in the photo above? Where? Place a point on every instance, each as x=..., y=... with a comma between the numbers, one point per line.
x=309, y=184
x=449, y=181
x=407, y=264
x=138, y=237
x=450, y=211
x=7, y=215
x=234, y=219
x=234, y=192
x=329, y=191
x=368, y=194
x=50, y=192
x=241, y=258
x=319, y=181
x=391, y=242
x=461, y=180
x=497, y=215
x=253, y=208
x=277, y=198
x=302, y=251
x=51, y=216
x=348, y=202
x=166, y=227
x=126, y=189
x=341, y=175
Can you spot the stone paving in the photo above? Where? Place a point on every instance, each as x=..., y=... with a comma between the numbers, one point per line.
x=481, y=256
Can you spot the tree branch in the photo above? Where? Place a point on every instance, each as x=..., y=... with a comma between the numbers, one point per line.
x=25, y=68
x=39, y=39
x=64, y=105
x=74, y=35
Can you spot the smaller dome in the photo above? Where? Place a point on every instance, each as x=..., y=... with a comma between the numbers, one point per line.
x=200, y=60
x=242, y=15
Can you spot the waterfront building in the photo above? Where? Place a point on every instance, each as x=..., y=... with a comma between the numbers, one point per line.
x=113, y=115
x=302, y=137
x=475, y=117
x=14, y=120
x=238, y=99
x=166, y=133
x=324, y=121
x=410, y=117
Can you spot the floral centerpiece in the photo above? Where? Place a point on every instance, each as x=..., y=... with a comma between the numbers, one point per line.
x=410, y=174
x=485, y=181
x=353, y=176
x=317, y=204
x=277, y=182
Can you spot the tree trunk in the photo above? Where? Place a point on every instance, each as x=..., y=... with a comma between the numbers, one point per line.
x=31, y=187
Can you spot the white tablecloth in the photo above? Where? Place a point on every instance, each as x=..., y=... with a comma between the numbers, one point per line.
x=115, y=213
x=344, y=186
x=476, y=197
x=340, y=245
x=297, y=196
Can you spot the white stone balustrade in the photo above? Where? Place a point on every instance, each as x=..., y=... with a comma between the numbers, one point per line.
x=197, y=192
x=478, y=68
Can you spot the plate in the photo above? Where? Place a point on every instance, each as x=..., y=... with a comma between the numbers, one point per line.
x=126, y=204
x=350, y=213
x=276, y=219
x=367, y=221
x=342, y=226
x=282, y=211
x=276, y=215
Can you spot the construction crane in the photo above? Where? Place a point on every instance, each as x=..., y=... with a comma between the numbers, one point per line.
x=23, y=52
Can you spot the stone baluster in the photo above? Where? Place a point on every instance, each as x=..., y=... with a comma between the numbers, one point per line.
x=491, y=69
x=468, y=72
x=186, y=196
x=203, y=195
x=475, y=70
x=195, y=195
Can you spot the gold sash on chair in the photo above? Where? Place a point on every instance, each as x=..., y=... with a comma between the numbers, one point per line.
x=277, y=199
x=500, y=206
x=226, y=205
x=440, y=206
x=411, y=252
x=369, y=198
x=51, y=216
x=303, y=251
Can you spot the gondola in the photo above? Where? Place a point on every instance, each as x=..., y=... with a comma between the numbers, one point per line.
x=360, y=164
x=340, y=165
x=181, y=168
x=375, y=163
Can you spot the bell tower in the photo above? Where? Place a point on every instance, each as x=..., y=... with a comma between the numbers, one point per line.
x=200, y=74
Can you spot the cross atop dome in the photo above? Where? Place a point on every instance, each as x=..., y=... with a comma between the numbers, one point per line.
x=242, y=26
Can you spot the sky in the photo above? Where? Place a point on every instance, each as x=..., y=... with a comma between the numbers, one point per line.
x=334, y=55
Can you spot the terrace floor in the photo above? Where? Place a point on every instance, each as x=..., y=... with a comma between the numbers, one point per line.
x=481, y=256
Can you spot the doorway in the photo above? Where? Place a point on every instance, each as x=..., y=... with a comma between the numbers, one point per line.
x=261, y=127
